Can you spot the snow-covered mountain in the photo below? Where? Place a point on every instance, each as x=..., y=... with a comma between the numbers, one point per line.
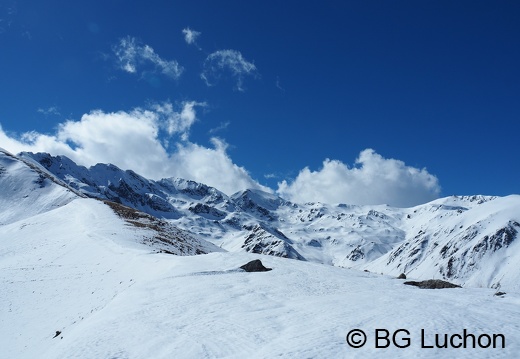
x=28, y=190
x=94, y=277
x=469, y=240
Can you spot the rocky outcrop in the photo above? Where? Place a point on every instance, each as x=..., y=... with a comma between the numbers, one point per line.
x=433, y=284
x=255, y=266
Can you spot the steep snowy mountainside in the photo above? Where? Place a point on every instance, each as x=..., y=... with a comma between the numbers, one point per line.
x=26, y=190
x=105, y=181
x=261, y=238
x=258, y=203
x=471, y=241
x=164, y=237
x=193, y=206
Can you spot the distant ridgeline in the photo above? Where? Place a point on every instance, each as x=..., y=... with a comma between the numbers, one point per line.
x=469, y=240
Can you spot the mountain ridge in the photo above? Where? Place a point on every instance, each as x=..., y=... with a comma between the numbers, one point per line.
x=422, y=241
x=29, y=190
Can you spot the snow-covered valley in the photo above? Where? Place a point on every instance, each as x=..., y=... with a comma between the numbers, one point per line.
x=109, y=285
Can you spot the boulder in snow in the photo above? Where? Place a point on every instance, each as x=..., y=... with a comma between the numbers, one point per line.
x=255, y=266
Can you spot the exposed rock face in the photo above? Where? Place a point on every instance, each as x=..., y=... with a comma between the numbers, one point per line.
x=164, y=237
x=262, y=239
x=433, y=284
x=255, y=266
x=207, y=211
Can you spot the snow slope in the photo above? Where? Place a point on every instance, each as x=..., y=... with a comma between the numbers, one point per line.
x=61, y=266
x=470, y=240
x=26, y=192
x=474, y=242
x=111, y=298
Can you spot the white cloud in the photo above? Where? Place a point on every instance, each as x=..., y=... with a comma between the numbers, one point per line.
x=375, y=180
x=212, y=166
x=126, y=53
x=190, y=36
x=154, y=142
x=178, y=122
x=132, y=140
x=230, y=61
x=130, y=54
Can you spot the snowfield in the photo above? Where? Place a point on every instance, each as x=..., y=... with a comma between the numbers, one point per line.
x=84, y=278
x=81, y=270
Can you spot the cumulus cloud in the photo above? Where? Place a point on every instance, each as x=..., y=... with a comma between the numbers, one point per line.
x=212, y=166
x=227, y=61
x=130, y=54
x=154, y=142
x=374, y=180
x=190, y=36
x=133, y=140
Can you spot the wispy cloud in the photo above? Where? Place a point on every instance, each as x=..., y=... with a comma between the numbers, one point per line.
x=190, y=36
x=53, y=110
x=222, y=126
x=374, y=180
x=130, y=54
x=227, y=61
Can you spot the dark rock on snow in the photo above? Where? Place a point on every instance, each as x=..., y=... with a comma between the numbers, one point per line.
x=255, y=266
x=433, y=284
x=402, y=276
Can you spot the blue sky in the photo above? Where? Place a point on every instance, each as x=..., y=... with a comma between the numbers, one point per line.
x=261, y=92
